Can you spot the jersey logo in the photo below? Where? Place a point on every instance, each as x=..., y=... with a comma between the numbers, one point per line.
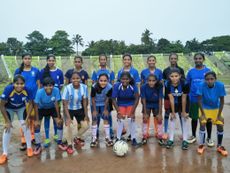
x=3, y=95
x=23, y=98
x=53, y=98
x=33, y=73
x=57, y=77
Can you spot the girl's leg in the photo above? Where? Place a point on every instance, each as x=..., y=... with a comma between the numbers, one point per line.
x=184, y=127
x=55, y=130
x=47, y=128
x=84, y=127
x=60, y=134
x=94, y=130
x=171, y=129
x=220, y=134
x=120, y=125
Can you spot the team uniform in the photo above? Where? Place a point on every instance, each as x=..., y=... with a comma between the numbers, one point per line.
x=177, y=93
x=210, y=105
x=111, y=76
x=82, y=73
x=194, y=78
x=16, y=104
x=76, y=110
x=31, y=77
x=100, y=95
x=57, y=76
x=133, y=72
x=166, y=73
x=125, y=99
x=146, y=72
x=46, y=108
x=152, y=97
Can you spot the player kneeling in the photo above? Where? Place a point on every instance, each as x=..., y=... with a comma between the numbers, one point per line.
x=211, y=102
x=46, y=104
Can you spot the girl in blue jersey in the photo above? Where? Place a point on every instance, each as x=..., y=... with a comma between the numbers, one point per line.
x=101, y=92
x=78, y=61
x=125, y=100
x=46, y=104
x=211, y=103
x=177, y=90
x=111, y=77
x=75, y=100
x=31, y=76
x=151, y=61
x=195, y=76
x=56, y=74
x=13, y=100
x=151, y=98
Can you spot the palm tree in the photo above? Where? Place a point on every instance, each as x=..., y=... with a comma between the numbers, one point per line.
x=78, y=40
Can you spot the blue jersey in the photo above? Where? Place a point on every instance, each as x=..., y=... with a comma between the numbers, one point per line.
x=146, y=72
x=152, y=96
x=125, y=97
x=133, y=72
x=82, y=73
x=75, y=96
x=56, y=75
x=96, y=74
x=31, y=78
x=194, y=78
x=45, y=101
x=14, y=99
x=100, y=94
x=211, y=96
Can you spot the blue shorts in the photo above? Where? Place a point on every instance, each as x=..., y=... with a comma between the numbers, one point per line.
x=100, y=110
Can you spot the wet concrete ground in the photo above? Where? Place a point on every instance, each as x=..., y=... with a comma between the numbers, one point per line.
x=148, y=158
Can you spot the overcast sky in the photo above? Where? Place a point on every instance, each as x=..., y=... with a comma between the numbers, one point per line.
x=116, y=19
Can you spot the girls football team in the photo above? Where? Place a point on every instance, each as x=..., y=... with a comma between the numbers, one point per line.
x=36, y=94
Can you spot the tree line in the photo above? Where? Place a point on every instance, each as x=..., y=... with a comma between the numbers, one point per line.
x=61, y=44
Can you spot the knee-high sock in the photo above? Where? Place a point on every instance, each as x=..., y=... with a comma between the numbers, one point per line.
x=107, y=131
x=47, y=126
x=194, y=126
x=69, y=135
x=132, y=127
x=111, y=124
x=155, y=122
x=184, y=128
x=166, y=119
x=38, y=139
x=148, y=126
x=60, y=134
x=220, y=135
x=202, y=137
x=171, y=129
x=26, y=132
x=94, y=131
x=144, y=129
x=181, y=123
x=55, y=127
x=83, y=129
x=209, y=129
x=6, y=141
x=159, y=129
x=98, y=124
x=120, y=125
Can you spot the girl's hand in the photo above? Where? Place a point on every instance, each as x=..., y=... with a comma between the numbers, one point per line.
x=220, y=118
x=68, y=122
x=36, y=123
x=119, y=116
x=94, y=113
x=159, y=118
x=8, y=126
x=203, y=117
x=172, y=116
x=59, y=122
x=106, y=112
x=132, y=115
x=86, y=118
x=145, y=117
x=184, y=114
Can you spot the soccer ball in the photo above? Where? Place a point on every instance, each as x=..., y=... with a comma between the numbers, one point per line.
x=120, y=148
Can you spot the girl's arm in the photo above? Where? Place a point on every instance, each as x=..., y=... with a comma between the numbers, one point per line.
x=171, y=99
x=201, y=107
x=160, y=107
x=57, y=109
x=3, y=111
x=143, y=100
x=85, y=106
x=94, y=106
x=184, y=102
x=66, y=110
x=115, y=105
x=221, y=109
x=36, y=115
x=135, y=103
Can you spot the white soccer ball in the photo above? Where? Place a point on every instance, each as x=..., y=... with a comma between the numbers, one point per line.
x=120, y=148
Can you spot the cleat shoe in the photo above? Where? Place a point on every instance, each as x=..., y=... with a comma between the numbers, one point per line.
x=79, y=141
x=135, y=143
x=70, y=150
x=201, y=149
x=37, y=150
x=191, y=140
x=169, y=144
x=161, y=142
x=23, y=147
x=128, y=138
x=222, y=150
x=47, y=143
x=62, y=146
x=123, y=132
x=210, y=143
x=30, y=152
x=55, y=138
x=184, y=145
x=108, y=142
x=144, y=140
x=93, y=143
x=33, y=141
x=3, y=159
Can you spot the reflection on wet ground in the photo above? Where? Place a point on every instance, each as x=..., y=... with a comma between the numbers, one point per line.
x=149, y=158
